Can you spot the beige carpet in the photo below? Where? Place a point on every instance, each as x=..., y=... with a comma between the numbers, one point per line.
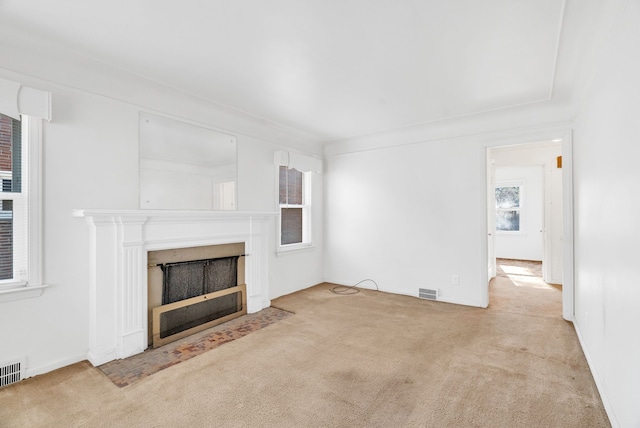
x=366, y=360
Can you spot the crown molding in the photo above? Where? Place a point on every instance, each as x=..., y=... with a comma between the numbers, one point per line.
x=49, y=66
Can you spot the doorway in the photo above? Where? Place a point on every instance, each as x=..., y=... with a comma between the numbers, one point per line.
x=516, y=178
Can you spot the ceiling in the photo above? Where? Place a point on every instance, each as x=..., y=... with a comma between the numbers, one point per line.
x=331, y=69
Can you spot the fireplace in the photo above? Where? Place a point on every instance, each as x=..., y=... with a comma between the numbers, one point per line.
x=192, y=289
x=119, y=245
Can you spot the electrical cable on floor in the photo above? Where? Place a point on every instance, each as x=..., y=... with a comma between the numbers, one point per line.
x=351, y=289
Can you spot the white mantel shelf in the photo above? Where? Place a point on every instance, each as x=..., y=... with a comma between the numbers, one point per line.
x=118, y=246
x=171, y=214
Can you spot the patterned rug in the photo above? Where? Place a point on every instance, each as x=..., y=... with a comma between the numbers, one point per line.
x=129, y=370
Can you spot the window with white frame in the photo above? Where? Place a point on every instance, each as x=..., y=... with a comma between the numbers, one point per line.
x=22, y=110
x=12, y=204
x=294, y=190
x=508, y=207
x=20, y=208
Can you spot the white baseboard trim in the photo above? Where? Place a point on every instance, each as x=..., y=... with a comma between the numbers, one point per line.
x=598, y=380
x=287, y=292
x=99, y=359
x=55, y=365
x=369, y=286
x=462, y=302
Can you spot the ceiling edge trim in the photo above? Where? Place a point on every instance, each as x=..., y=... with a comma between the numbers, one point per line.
x=557, y=55
x=104, y=81
x=516, y=135
x=461, y=117
x=238, y=111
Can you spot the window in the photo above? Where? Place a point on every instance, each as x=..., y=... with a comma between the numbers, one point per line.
x=11, y=229
x=20, y=238
x=294, y=200
x=294, y=175
x=508, y=204
x=23, y=110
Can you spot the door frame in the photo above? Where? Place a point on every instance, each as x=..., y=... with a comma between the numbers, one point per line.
x=564, y=133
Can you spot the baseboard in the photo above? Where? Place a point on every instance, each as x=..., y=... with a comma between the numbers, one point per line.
x=99, y=359
x=369, y=286
x=35, y=371
x=597, y=379
x=287, y=292
x=462, y=302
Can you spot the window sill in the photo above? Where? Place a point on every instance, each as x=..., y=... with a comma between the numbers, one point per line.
x=19, y=293
x=294, y=249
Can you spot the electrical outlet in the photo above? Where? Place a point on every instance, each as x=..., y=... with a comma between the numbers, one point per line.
x=455, y=279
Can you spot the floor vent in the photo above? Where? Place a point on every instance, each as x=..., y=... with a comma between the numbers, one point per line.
x=11, y=372
x=426, y=293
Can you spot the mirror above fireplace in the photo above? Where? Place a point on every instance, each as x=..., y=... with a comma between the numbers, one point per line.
x=185, y=166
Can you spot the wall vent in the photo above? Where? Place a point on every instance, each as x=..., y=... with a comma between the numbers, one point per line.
x=426, y=293
x=11, y=372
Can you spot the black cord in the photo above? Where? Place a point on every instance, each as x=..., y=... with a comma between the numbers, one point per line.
x=351, y=289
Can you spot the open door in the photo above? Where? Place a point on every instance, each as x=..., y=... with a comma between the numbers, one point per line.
x=552, y=270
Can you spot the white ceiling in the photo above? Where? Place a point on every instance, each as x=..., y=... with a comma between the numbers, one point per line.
x=334, y=69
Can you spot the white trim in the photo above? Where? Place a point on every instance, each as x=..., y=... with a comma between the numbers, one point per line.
x=58, y=364
x=164, y=99
x=303, y=163
x=399, y=138
x=173, y=216
x=293, y=249
x=600, y=384
x=24, y=292
x=32, y=187
x=9, y=98
x=307, y=238
x=568, y=272
x=18, y=99
x=34, y=194
x=403, y=292
x=118, y=244
x=568, y=300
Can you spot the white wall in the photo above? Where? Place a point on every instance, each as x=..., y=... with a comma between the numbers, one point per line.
x=607, y=231
x=525, y=244
x=257, y=186
x=408, y=217
x=90, y=160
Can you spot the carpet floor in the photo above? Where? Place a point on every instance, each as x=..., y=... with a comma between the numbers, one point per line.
x=366, y=360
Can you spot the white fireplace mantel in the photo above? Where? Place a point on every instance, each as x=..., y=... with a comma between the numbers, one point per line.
x=118, y=246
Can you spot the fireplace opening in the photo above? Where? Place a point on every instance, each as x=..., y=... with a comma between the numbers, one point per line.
x=192, y=289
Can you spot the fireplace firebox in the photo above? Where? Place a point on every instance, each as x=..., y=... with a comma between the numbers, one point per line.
x=192, y=289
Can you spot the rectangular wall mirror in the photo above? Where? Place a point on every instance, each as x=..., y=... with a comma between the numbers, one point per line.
x=185, y=166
